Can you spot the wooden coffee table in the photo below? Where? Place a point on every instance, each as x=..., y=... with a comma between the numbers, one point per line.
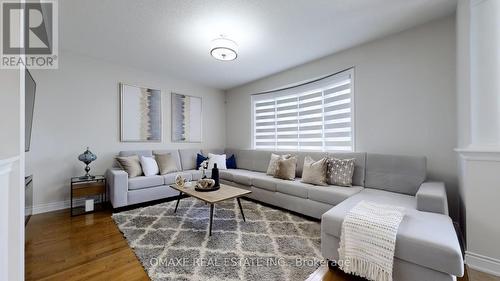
x=225, y=192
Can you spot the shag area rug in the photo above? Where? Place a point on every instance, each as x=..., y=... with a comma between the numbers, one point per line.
x=270, y=245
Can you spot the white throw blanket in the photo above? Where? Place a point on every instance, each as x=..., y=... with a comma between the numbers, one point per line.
x=368, y=240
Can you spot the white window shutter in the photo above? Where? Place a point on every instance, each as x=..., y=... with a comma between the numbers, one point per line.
x=316, y=116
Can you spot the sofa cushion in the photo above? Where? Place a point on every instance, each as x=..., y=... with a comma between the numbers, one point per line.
x=218, y=160
x=144, y=182
x=301, y=156
x=294, y=188
x=286, y=168
x=264, y=181
x=188, y=158
x=237, y=175
x=131, y=164
x=197, y=174
x=175, y=155
x=245, y=159
x=314, y=172
x=273, y=163
x=332, y=194
x=396, y=173
x=260, y=160
x=231, y=162
x=423, y=238
x=340, y=171
x=226, y=175
x=200, y=158
x=149, y=166
x=169, y=179
x=166, y=163
x=240, y=176
x=146, y=153
x=358, y=178
x=243, y=178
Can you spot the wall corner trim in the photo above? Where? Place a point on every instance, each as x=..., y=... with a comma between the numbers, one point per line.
x=489, y=153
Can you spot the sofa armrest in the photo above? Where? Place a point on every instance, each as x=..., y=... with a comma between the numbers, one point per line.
x=431, y=197
x=117, y=180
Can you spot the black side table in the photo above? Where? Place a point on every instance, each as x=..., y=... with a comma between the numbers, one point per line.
x=85, y=187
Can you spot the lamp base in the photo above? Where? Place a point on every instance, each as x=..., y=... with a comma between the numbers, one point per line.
x=87, y=177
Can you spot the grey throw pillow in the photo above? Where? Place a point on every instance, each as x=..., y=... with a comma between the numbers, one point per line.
x=314, y=172
x=166, y=163
x=131, y=165
x=273, y=163
x=286, y=168
x=340, y=171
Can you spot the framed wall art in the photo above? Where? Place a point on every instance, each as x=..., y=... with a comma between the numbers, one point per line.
x=140, y=110
x=186, y=118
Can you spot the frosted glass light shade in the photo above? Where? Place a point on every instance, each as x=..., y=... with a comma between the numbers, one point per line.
x=224, y=49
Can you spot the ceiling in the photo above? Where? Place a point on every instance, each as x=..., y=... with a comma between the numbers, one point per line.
x=173, y=36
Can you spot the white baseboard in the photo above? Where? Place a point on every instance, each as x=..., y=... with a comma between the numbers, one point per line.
x=55, y=206
x=482, y=263
x=49, y=207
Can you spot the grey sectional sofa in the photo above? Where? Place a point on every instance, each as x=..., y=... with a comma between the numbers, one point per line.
x=124, y=191
x=427, y=247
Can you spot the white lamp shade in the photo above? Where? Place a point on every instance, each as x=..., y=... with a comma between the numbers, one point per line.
x=224, y=49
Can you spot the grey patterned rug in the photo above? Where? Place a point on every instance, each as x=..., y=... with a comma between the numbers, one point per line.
x=270, y=245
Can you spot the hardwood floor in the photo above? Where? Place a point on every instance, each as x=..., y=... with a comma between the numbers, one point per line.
x=87, y=247
x=90, y=247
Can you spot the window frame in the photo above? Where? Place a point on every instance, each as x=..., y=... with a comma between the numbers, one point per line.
x=311, y=86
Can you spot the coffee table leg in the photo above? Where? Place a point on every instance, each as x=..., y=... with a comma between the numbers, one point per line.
x=178, y=200
x=211, y=219
x=241, y=208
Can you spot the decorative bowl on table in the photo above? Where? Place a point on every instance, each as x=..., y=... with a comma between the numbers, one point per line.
x=180, y=181
x=206, y=185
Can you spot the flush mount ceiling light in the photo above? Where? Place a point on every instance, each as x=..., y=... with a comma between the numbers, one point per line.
x=224, y=49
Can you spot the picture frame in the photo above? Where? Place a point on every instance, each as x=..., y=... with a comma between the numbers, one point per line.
x=140, y=114
x=186, y=118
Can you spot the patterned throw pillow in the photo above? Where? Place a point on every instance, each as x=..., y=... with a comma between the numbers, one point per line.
x=314, y=172
x=286, y=168
x=273, y=163
x=340, y=171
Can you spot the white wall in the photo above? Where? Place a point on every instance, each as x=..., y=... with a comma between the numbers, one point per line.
x=78, y=106
x=9, y=101
x=478, y=91
x=12, y=151
x=405, y=100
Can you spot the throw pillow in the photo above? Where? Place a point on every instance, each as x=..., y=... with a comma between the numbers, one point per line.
x=219, y=159
x=286, y=168
x=166, y=163
x=131, y=165
x=199, y=159
x=340, y=171
x=149, y=166
x=314, y=172
x=273, y=163
x=231, y=162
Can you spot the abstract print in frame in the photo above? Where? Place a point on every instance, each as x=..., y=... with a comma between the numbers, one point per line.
x=186, y=118
x=140, y=114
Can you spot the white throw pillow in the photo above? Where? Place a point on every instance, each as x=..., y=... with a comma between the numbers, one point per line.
x=149, y=166
x=219, y=159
